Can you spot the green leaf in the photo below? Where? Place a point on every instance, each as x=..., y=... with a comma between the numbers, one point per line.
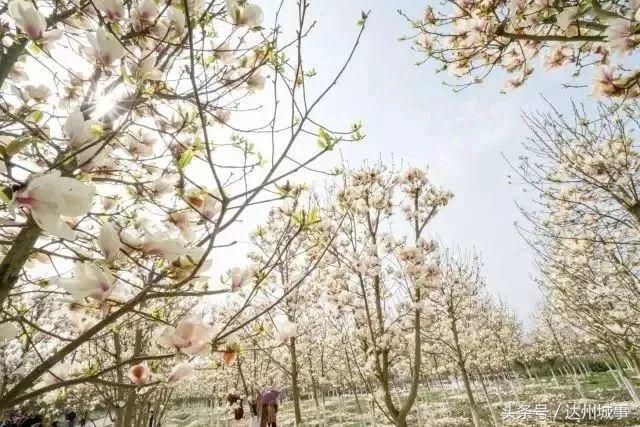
x=15, y=146
x=185, y=159
x=35, y=116
x=325, y=140
x=4, y=197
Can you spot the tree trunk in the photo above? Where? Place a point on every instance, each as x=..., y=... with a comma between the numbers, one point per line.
x=12, y=263
x=295, y=390
x=465, y=377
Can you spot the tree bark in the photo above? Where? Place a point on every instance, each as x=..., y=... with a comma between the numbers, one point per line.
x=15, y=259
x=295, y=390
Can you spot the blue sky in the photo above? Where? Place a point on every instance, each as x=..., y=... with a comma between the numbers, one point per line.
x=409, y=115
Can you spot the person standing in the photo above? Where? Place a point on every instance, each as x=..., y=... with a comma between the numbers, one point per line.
x=235, y=401
x=269, y=406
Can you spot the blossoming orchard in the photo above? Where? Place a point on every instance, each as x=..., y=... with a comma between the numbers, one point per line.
x=319, y=213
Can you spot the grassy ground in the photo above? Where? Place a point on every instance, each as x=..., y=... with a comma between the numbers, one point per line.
x=450, y=407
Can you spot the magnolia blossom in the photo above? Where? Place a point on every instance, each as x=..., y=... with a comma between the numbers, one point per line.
x=82, y=135
x=246, y=14
x=113, y=10
x=141, y=145
x=37, y=93
x=621, y=36
x=145, y=67
x=287, y=331
x=256, y=81
x=168, y=248
x=139, y=374
x=240, y=276
x=31, y=21
x=180, y=371
x=79, y=130
x=89, y=281
x=183, y=220
x=207, y=205
x=105, y=47
x=48, y=197
x=189, y=337
x=144, y=14
x=109, y=242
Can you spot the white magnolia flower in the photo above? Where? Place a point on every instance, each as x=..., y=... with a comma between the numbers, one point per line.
x=141, y=144
x=245, y=15
x=256, y=81
x=240, y=276
x=621, y=36
x=178, y=21
x=168, y=248
x=79, y=130
x=28, y=18
x=190, y=337
x=180, y=371
x=37, y=93
x=145, y=67
x=207, y=205
x=113, y=10
x=105, y=47
x=183, y=220
x=139, y=374
x=109, y=242
x=288, y=330
x=89, y=281
x=8, y=331
x=144, y=13
x=48, y=197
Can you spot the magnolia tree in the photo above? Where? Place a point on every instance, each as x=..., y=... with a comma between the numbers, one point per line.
x=290, y=289
x=457, y=324
x=135, y=137
x=586, y=218
x=473, y=38
x=585, y=222
x=379, y=277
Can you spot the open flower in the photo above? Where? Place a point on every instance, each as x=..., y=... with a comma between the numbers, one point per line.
x=28, y=18
x=180, y=371
x=287, y=331
x=113, y=10
x=245, y=14
x=145, y=67
x=207, y=205
x=79, y=130
x=240, y=276
x=621, y=36
x=48, y=197
x=167, y=248
x=183, y=221
x=109, y=242
x=139, y=374
x=144, y=13
x=105, y=47
x=37, y=93
x=189, y=337
x=89, y=281
x=141, y=144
